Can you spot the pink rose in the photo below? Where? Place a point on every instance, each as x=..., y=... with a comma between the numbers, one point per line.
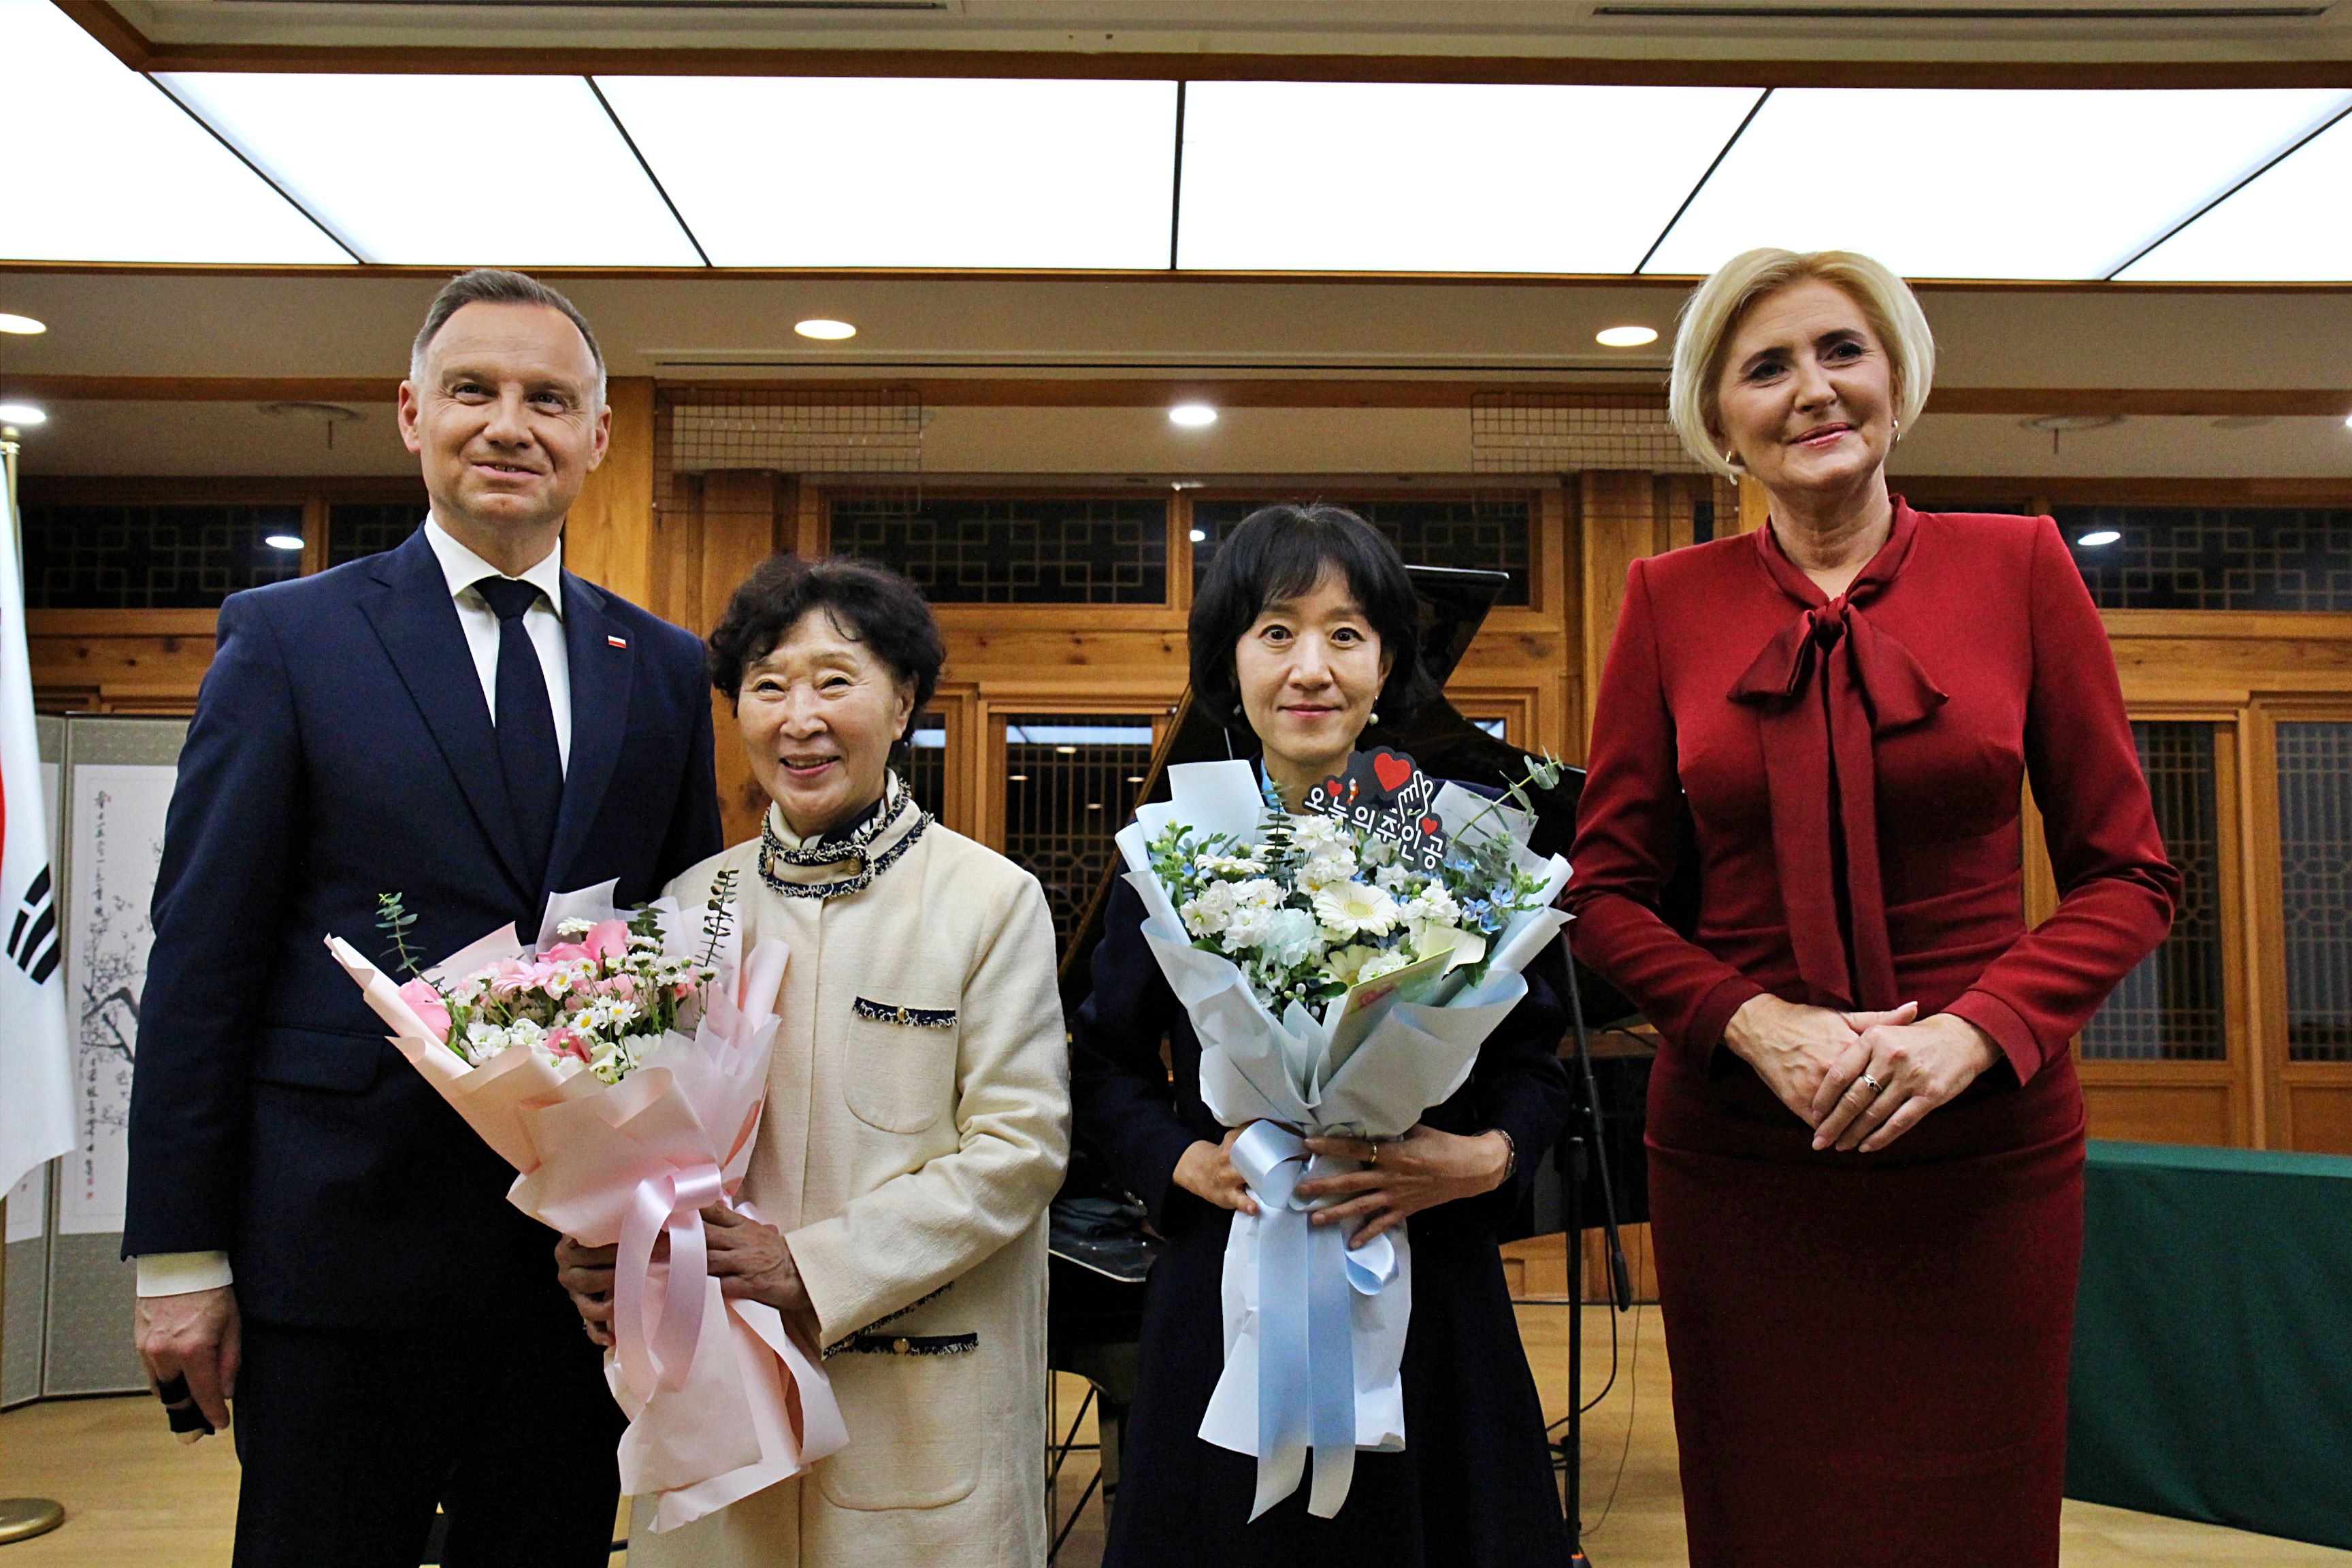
x=565, y=1043
x=563, y=953
x=608, y=939
x=427, y=1003
x=510, y=975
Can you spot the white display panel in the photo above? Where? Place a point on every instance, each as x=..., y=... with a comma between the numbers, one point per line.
x=883, y=172
x=409, y=186
x=1983, y=184
x=2293, y=225
x=103, y=167
x=1432, y=177
x=118, y=844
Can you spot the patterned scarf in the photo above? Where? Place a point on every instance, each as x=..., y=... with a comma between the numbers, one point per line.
x=855, y=852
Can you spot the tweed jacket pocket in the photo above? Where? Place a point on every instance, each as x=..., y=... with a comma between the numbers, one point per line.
x=914, y=1403
x=900, y=1071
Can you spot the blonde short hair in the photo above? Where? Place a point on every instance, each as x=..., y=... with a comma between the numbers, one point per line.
x=1714, y=313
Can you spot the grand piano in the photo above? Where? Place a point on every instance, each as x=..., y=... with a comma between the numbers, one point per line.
x=1101, y=1250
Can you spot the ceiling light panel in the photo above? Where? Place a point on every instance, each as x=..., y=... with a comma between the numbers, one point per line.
x=2292, y=224
x=450, y=171
x=879, y=172
x=105, y=168
x=1983, y=185
x=1430, y=177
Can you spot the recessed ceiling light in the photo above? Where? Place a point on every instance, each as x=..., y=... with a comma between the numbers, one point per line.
x=1135, y=778
x=284, y=542
x=2097, y=537
x=1625, y=337
x=22, y=414
x=1094, y=805
x=1201, y=535
x=1192, y=416
x=2347, y=422
x=23, y=326
x=1067, y=751
x=825, y=328
x=1017, y=778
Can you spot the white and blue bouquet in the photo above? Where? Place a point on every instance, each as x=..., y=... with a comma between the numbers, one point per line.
x=1341, y=966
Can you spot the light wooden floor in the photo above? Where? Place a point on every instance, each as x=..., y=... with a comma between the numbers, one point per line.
x=134, y=1499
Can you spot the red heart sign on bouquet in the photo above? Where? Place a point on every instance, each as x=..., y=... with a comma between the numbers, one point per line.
x=1392, y=770
x=1430, y=824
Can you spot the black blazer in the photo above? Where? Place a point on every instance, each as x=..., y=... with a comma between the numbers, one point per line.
x=1143, y=1115
x=342, y=748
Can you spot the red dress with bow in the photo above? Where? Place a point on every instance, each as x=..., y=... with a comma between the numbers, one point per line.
x=1870, y=1352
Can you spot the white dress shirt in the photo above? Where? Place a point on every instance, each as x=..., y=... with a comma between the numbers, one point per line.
x=543, y=622
x=178, y=1273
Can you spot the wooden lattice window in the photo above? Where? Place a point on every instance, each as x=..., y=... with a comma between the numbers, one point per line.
x=2213, y=557
x=1071, y=781
x=155, y=557
x=1487, y=533
x=970, y=550
x=2314, y=814
x=2171, y=1006
x=361, y=529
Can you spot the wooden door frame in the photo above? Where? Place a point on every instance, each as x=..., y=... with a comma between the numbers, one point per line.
x=2282, y=1078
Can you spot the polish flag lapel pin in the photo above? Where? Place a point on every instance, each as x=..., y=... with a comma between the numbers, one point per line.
x=616, y=642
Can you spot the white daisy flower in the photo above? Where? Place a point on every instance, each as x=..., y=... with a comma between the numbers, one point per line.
x=1347, y=909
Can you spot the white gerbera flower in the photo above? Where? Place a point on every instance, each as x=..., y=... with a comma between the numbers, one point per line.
x=1349, y=909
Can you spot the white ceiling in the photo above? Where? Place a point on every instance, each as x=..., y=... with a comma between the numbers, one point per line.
x=794, y=172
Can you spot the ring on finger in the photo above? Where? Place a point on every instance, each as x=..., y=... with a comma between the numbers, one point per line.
x=1873, y=1083
x=1372, y=1160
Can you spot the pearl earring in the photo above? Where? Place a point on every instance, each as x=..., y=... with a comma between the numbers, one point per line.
x=1373, y=720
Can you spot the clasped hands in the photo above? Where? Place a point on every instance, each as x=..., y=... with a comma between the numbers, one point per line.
x=752, y=1261
x=1859, y=1080
x=1417, y=1171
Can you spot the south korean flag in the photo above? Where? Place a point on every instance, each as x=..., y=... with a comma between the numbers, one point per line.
x=36, y=1055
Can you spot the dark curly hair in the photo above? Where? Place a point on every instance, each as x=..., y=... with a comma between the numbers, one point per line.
x=876, y=607
x=1280, y=552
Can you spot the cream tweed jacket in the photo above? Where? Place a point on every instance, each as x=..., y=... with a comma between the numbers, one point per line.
x=917, y=1126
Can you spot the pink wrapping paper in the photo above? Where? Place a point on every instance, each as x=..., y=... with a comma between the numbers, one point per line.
x=720, y=1400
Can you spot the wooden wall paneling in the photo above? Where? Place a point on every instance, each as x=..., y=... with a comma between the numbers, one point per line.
x=119, y=661
x=1617, y=524
x=1180, y=551
x=809, y=536
x=609, y=539
x=742, y=511
x=1755, y=505
x=314, y=532
x=677, y=555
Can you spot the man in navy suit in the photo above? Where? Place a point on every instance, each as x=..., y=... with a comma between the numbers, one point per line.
x=462, y=722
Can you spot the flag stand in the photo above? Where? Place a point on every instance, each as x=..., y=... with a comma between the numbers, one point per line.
x=21, y=1517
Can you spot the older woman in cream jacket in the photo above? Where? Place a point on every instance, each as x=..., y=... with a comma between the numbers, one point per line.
x=918, y=1116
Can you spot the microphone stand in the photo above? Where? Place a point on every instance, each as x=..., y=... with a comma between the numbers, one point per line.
x=1573, y=1153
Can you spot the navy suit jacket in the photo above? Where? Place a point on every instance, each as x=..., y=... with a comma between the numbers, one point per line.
x=342, y=748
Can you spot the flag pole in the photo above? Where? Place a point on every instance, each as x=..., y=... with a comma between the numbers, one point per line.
x=21, y=1517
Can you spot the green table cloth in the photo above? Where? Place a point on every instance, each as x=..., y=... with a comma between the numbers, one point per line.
x=2213, y=1373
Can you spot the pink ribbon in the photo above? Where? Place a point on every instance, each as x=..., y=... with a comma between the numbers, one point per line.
x=657, y=1336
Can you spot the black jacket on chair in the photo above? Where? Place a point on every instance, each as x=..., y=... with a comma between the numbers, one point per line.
x=342, y=748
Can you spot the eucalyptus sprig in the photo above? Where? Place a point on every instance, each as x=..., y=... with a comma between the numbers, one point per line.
x=719, y=914
x=394, y=919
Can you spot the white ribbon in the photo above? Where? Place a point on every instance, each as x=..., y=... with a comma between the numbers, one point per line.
x=1306, y=1328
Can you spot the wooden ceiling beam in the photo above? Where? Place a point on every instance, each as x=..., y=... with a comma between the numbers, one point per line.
x=1229, y=392
x=103, y=22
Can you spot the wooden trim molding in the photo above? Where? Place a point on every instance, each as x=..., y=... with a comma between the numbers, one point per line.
x=1047, y=389
x=136, y=50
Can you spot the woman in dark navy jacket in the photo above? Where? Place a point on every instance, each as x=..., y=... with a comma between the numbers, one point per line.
x=1302, y=630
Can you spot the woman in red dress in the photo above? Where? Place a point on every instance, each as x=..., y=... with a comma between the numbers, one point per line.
x=1865, y=1131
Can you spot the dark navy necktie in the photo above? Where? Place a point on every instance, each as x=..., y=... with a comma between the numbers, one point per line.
x=526, y=722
